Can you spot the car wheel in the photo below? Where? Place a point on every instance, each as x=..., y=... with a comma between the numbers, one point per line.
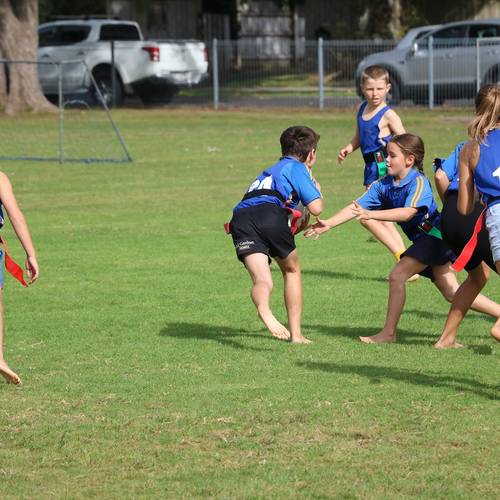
x=157, y=95
x=104, y=81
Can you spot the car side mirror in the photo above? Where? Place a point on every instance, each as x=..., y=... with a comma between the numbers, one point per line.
x=414, y=49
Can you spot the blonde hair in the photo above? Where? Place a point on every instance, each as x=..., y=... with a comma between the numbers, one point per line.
x=413, y=145
x=487, y=115
x=375, y=72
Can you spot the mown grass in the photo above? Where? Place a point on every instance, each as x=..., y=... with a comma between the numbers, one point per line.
x=147, y=374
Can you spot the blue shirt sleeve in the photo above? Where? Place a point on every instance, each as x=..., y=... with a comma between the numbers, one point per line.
x=450, y=165
x=301, y=180
x=420, y=194
x=372, y=199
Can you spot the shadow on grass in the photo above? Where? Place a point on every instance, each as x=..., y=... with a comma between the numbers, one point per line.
x=376, y=374
x=341, y=275
x=221, y=334
x=354, y=332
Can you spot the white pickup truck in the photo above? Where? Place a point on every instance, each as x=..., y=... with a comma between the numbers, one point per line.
x=153, y=70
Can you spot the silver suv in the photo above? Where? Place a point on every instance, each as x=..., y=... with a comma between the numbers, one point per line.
x=461, y=52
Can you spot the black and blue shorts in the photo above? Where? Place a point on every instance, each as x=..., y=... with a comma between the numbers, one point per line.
x=430, y=251
x=262, y=229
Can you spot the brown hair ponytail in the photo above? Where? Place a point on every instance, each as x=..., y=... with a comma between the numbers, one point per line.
x=487, y=115
x=413, y=145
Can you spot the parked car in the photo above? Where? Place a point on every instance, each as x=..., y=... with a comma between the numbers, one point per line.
x=454, y=54
x=152, y=70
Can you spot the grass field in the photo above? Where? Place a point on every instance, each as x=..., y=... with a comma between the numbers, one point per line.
x=147, y=374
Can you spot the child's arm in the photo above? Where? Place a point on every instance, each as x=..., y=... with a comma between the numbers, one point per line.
x=349, y=148
x=442, y=182
x=323, y=225
x=391, y=214
x=394, y=122
x=19, y=224
x=469, y=156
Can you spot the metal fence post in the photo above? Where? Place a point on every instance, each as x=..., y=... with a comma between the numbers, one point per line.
x=478, y=65
x=113, y=75
x=61, y=113
x=215, y=73
x=321, y=75
x=431, y=72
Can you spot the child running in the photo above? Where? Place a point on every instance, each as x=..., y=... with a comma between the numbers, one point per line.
x=260, y=228
x=457, y=230
x=480, y=166
x=9, y=203
x=376, y=123
x=404, y=196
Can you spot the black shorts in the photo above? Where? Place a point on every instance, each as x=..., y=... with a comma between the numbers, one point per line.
x=457, y=230
x=262, y=229
x=430, y=251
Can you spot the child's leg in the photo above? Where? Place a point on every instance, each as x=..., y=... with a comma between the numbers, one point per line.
x=257, y=265
x=495, y=331
x=5, y=371
x=406, y=267
x=462, y=301
x=293, y=295
x=387, y=234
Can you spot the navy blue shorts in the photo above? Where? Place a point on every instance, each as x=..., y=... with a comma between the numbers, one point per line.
x=371, y=173
x=262, y=229
x=430, y=251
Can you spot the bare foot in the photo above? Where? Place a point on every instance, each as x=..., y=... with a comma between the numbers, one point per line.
x=300, y=340
x=274, y=326
x=413, y=278
x=381, y=338
x=447, y=344
x=8, y=374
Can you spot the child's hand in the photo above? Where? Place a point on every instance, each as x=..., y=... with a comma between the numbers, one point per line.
x=316, y=229
x=360, y=212
x=343, y=154
x=32, y=269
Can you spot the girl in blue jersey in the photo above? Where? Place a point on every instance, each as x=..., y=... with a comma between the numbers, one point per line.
x=480, y=166
x=376, y=123
x=404, y=196
x=457, y=230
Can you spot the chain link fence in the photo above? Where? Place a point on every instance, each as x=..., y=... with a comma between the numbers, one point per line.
x=324, y=73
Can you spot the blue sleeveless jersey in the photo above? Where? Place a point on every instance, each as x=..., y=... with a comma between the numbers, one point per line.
x=369, y=131
x=487, y=171
x=413, y=191
x=291, y=178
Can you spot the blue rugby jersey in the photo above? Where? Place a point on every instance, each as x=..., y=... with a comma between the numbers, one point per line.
x=291, y=178
x=412, y=191
x=369, y=131
x=487, y=171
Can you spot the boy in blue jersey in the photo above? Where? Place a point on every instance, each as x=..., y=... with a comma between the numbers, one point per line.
x=405, y=196
x=376, y=123
x=9, y=203
x=261, y=231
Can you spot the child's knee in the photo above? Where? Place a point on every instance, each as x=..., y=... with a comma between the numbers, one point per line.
x=448, y=293
x=397, y=277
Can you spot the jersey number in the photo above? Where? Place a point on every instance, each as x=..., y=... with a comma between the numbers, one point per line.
x=263, y=184
x=496, y=173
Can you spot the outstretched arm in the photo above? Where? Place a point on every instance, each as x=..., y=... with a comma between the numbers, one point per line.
x=323, y=225
x=18, y=221
x=469, y=156
x=391, y=214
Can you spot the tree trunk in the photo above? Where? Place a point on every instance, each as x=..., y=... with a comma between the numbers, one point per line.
x=19, y=85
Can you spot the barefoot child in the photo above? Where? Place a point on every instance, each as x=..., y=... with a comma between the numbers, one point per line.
x=9, y=203
x=260, y=228
x=405, y=197
x=376, y=123
x=457, y=230
x=480, y=166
